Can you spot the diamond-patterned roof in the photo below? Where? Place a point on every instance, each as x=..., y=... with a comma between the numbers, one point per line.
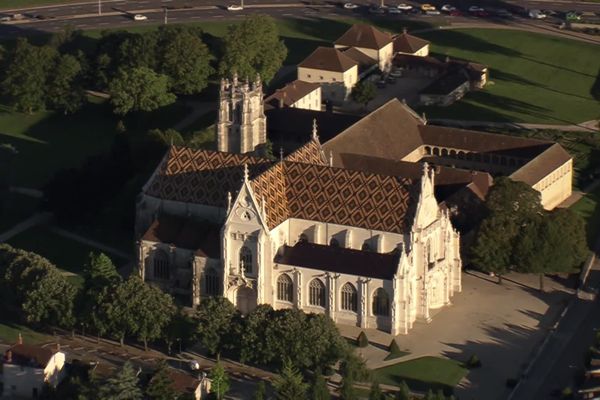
x=309, y=153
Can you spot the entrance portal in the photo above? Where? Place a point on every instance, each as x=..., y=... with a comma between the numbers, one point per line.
x=245, y=299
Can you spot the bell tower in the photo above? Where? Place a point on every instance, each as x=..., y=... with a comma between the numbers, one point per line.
x=241, y=122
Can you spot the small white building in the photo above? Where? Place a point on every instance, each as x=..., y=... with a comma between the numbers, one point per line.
x=27, y=368
x=296, y=94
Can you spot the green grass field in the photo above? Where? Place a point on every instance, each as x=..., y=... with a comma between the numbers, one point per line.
x=423, y=373
x=9, y=334
x=531, y=79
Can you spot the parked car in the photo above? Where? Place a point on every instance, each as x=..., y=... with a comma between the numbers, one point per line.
x=139, y=17
x=481, y=14
x=393, y=10
x=456, y=13
x=432, y=12
x=397, y=73
x=404, y=7
x=427, y=7
x=448, y=8
x=381, y=84
x=572, y=16
x=536, y=14
x=376, y=10
x=5, y=18
x=391, y=79
x=503, y=13
x=350, y=6
x=474, y=9
x=234, y=7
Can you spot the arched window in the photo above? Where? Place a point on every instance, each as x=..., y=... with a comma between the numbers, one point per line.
x=334, y=243
x=436, y=151
x=285, y=288
x=211, y=282
x=349, y=298
x=246, y=259
x=303, y=238
x=444, y=152
x=381, y=303
x=316, y=293
x=427, y=150
x=161, y=265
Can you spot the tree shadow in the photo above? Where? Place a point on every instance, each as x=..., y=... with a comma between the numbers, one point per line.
x=595, y=89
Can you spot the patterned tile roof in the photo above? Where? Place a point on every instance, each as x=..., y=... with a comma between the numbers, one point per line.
x=334, y=195
x=309, y=153
x=202, y=176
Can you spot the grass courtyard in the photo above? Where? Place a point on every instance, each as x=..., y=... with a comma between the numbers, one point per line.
x=534, y=78
x=423, y=373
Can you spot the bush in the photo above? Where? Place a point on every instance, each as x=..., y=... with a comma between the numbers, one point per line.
x=393, y=347
x=362, y=340
x=473, y=362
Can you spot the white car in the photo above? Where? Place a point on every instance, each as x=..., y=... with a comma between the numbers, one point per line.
x=394, y=11
x=350, y=6
x=235, y=7
x=475, y=9
x=448, y=8
x=536, y=14
x=139, y=17
x=404, y=7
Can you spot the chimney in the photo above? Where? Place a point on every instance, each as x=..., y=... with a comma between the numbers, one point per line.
x=20, y=340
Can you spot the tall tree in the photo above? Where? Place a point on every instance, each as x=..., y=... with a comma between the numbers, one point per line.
x=26, y=75
x=289, y=384
x=139, y=89
x=122, y=386
x=160, y=386
x=138, y=50
x=65, y=90
x=184, y=58
x=253, y=47
x=219, y=380
x=375, y=392
x=319, y=390
x=214, y=317
x=364, y=92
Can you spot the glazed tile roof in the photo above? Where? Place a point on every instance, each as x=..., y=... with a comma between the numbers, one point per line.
x=201, y=176
x=338, y=259
x=365, y=36
x=309, y=153
x=328, y=59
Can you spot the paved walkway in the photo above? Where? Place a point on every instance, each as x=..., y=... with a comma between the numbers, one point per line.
x=589, y=126
x=34, y=220
x=199, y=108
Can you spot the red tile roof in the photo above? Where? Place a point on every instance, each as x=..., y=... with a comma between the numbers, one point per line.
x=28, y=355
x=405, y=43
x=291, y=93
x=328, y=59
x=365, y=36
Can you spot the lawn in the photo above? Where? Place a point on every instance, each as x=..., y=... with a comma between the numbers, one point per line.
x=534, y=78
x=423, y=373
x=9, y=334
x=66, y=254
x=589, y=208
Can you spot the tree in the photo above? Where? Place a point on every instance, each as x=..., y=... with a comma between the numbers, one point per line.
x=139, y=89
x=180, y=329
x=261, y=391
x=430, y=395
x=319, y=390
x=220, y=380
x=122, y=386
x=184, y=58
x=252, y=47
x=375, y=392
x=214, y=318
x=352, y=369
x=363, y=92
x=362, y=339
x=26, y=75
x=138, y=50
x=289, y=384
x=160, y=386
x=65, y=91
x=404, y=392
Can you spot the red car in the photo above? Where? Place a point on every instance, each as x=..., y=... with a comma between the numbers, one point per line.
x=481, y=14
x=455, y=13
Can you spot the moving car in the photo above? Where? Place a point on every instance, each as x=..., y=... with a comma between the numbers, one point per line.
x=448, y=8
x=536, y=14
x=404, y=7
x=427, y=7
x=234, y=7
x=350, y=6
x=139, y=17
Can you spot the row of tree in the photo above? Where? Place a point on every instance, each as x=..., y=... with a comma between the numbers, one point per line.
x=518, y=234
x=140, y=71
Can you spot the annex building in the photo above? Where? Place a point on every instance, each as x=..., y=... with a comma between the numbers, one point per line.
x=357, y=227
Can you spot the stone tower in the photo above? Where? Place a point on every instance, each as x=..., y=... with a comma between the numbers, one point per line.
x=241, y=123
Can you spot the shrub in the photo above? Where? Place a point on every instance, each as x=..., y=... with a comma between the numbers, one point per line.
x=393, y=348
x=473, y=362
x=362, y=340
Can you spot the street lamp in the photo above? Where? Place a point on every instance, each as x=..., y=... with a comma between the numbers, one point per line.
x=99, y=7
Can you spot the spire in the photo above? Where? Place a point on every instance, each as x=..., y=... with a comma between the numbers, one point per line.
x=330, y=158
x=235, y=79
x=246, y=173
x=425, y=168
x=281, y=153
x=424, y=118
x=315, y=135
x=228, y=202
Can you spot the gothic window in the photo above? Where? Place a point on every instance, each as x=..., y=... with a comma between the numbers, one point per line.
x=349, y=298
x=246, y=259
x=303, y=238
x=334, y=243
x=285, y=288
x=211, y=282
x=381, y=303
x=316, y=293
x=161, y=265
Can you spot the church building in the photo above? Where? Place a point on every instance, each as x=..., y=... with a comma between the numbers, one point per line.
x=367, y=249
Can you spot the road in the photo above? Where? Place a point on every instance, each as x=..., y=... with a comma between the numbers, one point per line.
x=118, y=13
